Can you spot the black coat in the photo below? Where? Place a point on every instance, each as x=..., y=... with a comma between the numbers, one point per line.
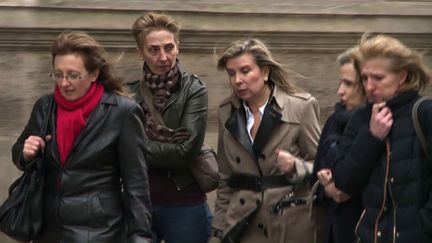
x=103, y=184
x=404, y=196
x=340, y=218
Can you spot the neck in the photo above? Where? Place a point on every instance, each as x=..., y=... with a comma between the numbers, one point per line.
x=259, y=101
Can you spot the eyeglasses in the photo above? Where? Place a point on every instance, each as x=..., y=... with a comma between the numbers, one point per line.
x=72, y=76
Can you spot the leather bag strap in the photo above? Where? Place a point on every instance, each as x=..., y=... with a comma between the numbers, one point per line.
x=417, y=126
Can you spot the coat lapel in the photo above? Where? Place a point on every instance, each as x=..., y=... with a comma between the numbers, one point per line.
x=270, y=120
x=236, y=125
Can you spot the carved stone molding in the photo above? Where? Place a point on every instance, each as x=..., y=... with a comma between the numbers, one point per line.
x=207, y=26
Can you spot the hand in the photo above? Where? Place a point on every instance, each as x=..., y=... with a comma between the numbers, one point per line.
x=33, y=145
x=381, y=120
x=324, y=176
x=337, y=195
x=285, y=161
x=214, y=240
x=181, y=134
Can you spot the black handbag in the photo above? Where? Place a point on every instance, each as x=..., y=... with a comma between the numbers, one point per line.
x=21, y=215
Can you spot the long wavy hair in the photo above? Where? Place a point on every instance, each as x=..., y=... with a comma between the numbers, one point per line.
x=264, y=59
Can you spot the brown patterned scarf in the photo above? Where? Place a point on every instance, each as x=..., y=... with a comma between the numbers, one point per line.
x=162, y=86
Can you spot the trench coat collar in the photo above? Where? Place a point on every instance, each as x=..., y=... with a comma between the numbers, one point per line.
x=236, y=124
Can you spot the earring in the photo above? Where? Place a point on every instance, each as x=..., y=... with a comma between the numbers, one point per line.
x=265, y=79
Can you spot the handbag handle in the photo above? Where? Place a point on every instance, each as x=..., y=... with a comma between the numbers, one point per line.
x=43, y=132
x=312, y=198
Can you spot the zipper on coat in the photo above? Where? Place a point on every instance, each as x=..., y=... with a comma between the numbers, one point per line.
x=356, y=229
x=175, y=182
x=394, y=212
x=387, y=173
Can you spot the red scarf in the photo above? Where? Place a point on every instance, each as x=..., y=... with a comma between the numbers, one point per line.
x=72, y=117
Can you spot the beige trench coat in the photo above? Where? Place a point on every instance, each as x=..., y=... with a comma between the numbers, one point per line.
x=294, y=128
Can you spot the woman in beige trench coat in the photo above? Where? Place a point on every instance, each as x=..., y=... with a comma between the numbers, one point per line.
x=268, y=137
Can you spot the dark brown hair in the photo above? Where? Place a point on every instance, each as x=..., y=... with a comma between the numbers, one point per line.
x=93, y=55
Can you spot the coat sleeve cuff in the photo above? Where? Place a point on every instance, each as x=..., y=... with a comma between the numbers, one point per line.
x=303, y=169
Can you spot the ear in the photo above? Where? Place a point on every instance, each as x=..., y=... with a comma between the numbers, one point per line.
x=94, y=76
x=178, y=47
x=402, y=76
x=265, y=72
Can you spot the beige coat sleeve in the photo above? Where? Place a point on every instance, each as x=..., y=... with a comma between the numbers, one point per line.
x=308, y=142
x=223, y=192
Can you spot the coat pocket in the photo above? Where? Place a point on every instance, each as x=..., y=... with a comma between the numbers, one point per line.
x=98, y=211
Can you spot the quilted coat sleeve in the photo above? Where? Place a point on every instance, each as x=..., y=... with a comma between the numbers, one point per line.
x=134, y=177
x=425, y=117
x=357, y=155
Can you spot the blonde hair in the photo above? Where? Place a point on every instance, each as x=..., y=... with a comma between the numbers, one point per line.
x=151, y=21
x=400, y=56
x=346, y=57
x=94, y=57
x=264, y=59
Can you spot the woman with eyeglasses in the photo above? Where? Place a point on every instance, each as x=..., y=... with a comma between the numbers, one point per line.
x=96, y=187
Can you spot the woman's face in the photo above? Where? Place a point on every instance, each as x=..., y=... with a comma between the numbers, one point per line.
x=379, y=82
x=159, y=51
x=349, y=90
x=247, y=78
x=71, y=77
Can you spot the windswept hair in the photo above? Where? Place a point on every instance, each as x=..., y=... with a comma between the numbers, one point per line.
x=346, y=57
x=93, y=54
x=263, y=57
x=400, y=56
x=151, y=21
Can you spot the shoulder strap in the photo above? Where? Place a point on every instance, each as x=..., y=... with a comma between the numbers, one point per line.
x=148, y=99
x=44, y=129
x=43, y=132
x=417, y=126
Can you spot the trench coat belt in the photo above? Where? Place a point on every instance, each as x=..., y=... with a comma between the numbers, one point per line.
x=256, y=183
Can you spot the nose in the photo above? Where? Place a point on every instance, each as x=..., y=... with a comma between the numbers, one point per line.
x=64, y=82
x=341, y=90
x=237, y=79
x=163, y=56
x=368, y=85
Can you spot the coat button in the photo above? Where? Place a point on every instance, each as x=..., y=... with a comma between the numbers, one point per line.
x=392, y=179
x=397, y=234
x=242, y=201
x=238, y=160
x=379, y=234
